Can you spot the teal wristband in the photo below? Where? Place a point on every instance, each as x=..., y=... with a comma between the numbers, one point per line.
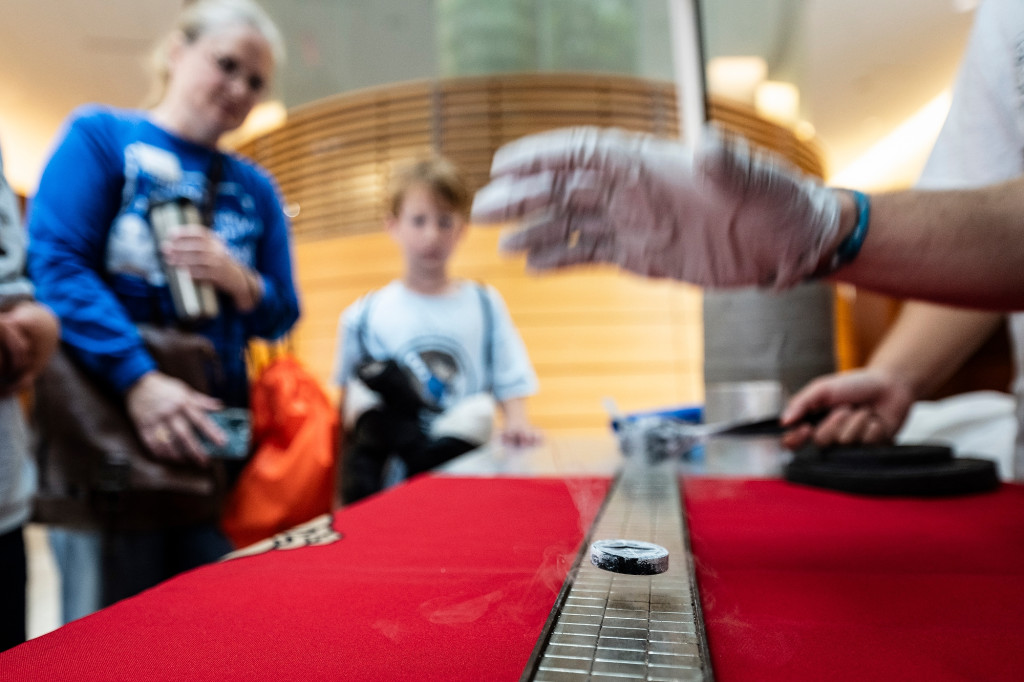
x=850, y=247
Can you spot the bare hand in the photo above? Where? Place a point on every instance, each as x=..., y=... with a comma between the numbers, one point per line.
x=521, y=435
x=15, y=353
x=167, y=413
x=29, y=334
x=867, y=406
x=207, y=259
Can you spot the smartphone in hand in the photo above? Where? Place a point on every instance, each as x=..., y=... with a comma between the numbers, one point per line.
x=236, y=425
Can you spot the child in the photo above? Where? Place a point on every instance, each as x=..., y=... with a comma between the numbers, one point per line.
x=423, y=359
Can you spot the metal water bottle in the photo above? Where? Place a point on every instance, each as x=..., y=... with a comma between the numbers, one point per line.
x=193, y=301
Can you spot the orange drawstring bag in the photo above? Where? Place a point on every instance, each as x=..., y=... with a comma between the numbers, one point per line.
x=290, y=477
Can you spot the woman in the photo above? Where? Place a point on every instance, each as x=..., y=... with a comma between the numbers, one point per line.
x=96, y=262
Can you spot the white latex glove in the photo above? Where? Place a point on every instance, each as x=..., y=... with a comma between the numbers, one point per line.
x=725, y=217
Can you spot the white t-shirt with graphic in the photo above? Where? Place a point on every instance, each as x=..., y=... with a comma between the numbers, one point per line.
x=457, y=344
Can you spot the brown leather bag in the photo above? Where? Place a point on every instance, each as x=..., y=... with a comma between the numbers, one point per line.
x=94, y=471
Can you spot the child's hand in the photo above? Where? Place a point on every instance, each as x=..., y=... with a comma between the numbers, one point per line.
x=521, y=435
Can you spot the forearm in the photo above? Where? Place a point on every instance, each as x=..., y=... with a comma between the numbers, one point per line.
x=518, y=431
x=928, y=342
x=959, y=247
x=277, y=308
x=513, y=411
x=245, y=287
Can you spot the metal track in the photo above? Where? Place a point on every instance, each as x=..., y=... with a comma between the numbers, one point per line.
x=607, y=626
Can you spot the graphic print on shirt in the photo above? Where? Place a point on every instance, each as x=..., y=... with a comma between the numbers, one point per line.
x=152, y=175
x=438, y=365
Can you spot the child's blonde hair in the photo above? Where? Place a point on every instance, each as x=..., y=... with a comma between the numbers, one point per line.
x=439, y=175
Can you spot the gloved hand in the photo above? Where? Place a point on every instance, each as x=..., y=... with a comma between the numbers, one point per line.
x=725, y=216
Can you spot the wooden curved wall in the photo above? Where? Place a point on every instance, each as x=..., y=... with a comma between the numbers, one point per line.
x=590, y=332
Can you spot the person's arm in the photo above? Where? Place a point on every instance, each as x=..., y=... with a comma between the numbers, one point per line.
x=512, y=376
x=68, y=223
x=737, y=217
x=265, y=292
x=207, y=259
x=927, y=344
x=958, y=247
x=516, y=427
x=978, y=145
x=921, y=351
x=79, y=196
x=278, y=307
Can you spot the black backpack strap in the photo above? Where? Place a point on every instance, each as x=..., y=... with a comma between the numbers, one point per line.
x=361, y=328
x=214, y=174
x=488, y=318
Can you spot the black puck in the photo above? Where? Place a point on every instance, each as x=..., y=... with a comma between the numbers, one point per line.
x=632, y=557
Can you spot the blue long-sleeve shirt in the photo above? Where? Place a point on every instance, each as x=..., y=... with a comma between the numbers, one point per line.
x=94, y=260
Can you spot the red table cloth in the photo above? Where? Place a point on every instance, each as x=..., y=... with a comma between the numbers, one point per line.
x=805, y=584
x=439, y=579
x=453, y=579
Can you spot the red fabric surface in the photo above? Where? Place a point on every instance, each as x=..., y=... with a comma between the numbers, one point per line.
x=440, y=579
x=804, y=584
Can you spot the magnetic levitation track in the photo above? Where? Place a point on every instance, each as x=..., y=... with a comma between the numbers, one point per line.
x=609, y=626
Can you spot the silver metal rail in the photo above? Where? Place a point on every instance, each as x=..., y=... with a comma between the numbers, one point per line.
x=608, y=626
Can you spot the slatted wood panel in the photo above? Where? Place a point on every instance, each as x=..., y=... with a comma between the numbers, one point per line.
x=591, y=333
x=333, y=157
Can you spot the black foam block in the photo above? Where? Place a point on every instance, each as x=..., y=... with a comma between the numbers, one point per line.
x=911, y=470
x=882, y=456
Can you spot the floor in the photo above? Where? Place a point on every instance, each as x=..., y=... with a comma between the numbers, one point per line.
x=43, y=583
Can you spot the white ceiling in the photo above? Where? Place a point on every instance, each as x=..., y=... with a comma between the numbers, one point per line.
x=862, y=67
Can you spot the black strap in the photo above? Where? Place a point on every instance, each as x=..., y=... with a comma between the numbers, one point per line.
x=488, y=316
x=214, y=174
x=361, y=329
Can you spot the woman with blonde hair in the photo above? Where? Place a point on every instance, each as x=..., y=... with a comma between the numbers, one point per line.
x=98, y=263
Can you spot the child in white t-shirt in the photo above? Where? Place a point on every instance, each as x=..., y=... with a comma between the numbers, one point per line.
x=423, y=360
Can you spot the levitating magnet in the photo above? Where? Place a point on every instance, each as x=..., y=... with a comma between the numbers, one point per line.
x=632, y=557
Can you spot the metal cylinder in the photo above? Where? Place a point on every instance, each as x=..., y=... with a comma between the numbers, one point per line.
x=193, y=301
x=761, y=347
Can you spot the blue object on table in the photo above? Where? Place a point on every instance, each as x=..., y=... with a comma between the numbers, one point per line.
x=656, y=433
x=693, y=414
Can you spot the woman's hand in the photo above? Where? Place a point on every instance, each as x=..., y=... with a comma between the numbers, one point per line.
x=867, y=406
x=168, y=413
x=207, y=259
